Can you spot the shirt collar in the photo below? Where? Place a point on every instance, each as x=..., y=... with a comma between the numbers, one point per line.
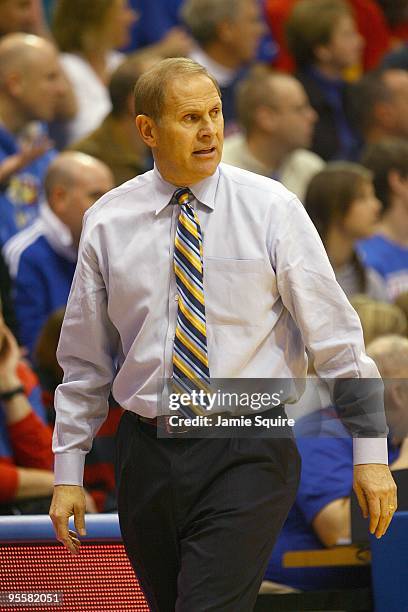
x=57, y=233
x=224, y=76
x=204, y=191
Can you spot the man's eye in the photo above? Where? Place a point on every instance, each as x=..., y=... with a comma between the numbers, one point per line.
x=190, y=117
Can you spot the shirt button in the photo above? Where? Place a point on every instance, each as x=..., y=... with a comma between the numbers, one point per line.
x=176, y=298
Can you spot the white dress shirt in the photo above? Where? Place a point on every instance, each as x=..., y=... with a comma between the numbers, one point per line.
x=269, y=291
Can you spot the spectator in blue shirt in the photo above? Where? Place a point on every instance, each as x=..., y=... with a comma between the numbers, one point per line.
x=160, y=23
x=320, y=516
x=323, y=38
x=387, y=251
x=227, y=36
x=42, y=258
x=31, y=89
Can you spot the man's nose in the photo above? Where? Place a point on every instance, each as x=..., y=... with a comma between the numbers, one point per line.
x=207, y=127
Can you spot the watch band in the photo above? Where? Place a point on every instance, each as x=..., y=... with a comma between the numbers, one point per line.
x=8, y=395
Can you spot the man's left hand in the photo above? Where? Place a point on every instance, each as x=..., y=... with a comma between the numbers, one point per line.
x=377, y=495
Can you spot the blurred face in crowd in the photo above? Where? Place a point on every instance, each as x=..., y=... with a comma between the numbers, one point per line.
x=243, y=34
x=363, y=213
x=119, y=19
x=187, y=140
x=396, y=110
x=39, y=84
x=345, y=46
x=396, y=402
x=16, y=16
x=290, y=118
x=90, y=180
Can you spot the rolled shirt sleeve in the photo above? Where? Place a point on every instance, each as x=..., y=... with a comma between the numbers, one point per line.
x=331, y=330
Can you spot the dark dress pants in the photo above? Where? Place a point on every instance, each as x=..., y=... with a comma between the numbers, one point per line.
x=199, y=517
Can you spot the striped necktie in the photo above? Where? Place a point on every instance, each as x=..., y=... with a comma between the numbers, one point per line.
x=190, y=357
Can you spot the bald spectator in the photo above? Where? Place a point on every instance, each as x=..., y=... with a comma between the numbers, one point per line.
x=278, y=123
x=42, y=258
x=387, y=251
x=381, y=105
x=116, y=141
x=227, y=34
x=31, y=88
x=324, y=40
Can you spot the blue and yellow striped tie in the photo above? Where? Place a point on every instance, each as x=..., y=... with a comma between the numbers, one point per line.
x=190, y=356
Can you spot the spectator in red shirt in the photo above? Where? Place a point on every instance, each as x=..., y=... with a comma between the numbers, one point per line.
x=26, y=459
x=99, y=475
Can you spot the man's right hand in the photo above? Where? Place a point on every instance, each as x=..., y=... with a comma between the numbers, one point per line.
x=68, y=500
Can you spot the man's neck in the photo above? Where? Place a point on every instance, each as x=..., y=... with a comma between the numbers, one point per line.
x=220, y=54
x=97, y=60
x=394, y=224
x=340, y=248
x=10, y=117
x=268, y=152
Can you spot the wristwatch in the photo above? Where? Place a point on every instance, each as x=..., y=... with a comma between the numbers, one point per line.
x=8, y=395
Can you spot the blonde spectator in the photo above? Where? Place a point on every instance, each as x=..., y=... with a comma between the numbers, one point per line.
x=87, y=34
x=379, y=318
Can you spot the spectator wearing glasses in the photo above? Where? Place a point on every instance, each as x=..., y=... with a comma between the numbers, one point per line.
x=277, y=123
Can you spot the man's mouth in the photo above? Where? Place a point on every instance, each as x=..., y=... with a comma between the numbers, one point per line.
x=205, y=151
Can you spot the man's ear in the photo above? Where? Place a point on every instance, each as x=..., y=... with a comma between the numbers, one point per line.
x=14, y=83
x=57, y=199
x=147, y=130
x=266, y=119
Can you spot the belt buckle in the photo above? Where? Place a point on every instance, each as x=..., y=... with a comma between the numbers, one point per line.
x=173, y=429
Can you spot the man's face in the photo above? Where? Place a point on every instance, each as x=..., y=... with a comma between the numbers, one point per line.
x=42, y=85
x=363, y=215
x=396, y=401
x=293, y=117
x=16, y=16
x=119, y=19
x=346, y=44
x=245, y=31
x=89, y=185
x=188, y=138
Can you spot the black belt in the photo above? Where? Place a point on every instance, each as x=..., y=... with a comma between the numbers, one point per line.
x=162, y=422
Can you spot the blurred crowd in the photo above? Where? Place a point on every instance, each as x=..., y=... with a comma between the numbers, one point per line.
x=315, y=95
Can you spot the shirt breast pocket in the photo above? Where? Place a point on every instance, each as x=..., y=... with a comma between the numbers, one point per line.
x=236, y=291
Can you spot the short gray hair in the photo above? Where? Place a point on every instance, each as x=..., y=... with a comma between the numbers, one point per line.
x=390, y=353
x=203, y=16
x=150, y=88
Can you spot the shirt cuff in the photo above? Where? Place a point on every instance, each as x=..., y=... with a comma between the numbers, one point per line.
x=69, y=468
x=370, y=450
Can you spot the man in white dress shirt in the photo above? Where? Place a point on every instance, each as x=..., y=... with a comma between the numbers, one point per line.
x=199, y=516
